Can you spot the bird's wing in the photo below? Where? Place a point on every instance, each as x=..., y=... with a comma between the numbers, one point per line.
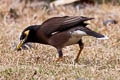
x=62, y=23
x=72, y=21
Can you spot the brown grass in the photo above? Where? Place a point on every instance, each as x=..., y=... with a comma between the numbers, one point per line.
x=100, y=59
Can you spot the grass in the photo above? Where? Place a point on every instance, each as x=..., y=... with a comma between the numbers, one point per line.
x=100, y=59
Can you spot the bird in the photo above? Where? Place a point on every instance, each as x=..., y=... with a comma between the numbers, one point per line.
x=59, y=32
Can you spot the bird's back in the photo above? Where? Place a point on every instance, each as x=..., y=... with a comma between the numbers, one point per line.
x=58, y=24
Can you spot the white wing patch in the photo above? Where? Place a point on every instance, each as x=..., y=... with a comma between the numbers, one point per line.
x=54, y=33
x=75, y=37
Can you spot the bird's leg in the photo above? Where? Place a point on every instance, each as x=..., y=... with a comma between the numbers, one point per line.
x=60, y=55
x=81, y=45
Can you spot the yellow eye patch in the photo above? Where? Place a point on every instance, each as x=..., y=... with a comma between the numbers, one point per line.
x=27, y=32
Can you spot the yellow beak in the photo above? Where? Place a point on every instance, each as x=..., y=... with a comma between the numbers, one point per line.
x=19, y=44
x=22, y=41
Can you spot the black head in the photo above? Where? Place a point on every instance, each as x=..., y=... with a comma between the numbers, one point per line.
x=28, y=35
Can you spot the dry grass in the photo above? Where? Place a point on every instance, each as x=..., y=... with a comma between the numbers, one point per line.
x=100, y=59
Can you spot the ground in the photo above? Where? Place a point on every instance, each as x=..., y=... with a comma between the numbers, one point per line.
x=99, y=60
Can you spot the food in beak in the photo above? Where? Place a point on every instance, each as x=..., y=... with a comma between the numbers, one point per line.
x=19, y=44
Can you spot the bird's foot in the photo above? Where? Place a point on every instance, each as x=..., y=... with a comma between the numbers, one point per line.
x=76, y=61
x=59, y=59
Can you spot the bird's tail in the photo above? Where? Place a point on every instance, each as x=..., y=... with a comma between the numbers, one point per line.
x=97, y=35
x=93, y=33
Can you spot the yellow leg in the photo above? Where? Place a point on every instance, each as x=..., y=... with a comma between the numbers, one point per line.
x=60, y=55
x=58, y=59
x=81, y=48
x=76, y=59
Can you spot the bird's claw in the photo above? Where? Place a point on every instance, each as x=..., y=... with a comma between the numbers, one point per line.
x=58, y=59
x=76, y=61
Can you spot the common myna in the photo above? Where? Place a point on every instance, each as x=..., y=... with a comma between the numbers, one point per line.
x=59, y=32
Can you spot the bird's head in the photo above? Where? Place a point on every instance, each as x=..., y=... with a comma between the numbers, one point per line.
x=27, y=35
